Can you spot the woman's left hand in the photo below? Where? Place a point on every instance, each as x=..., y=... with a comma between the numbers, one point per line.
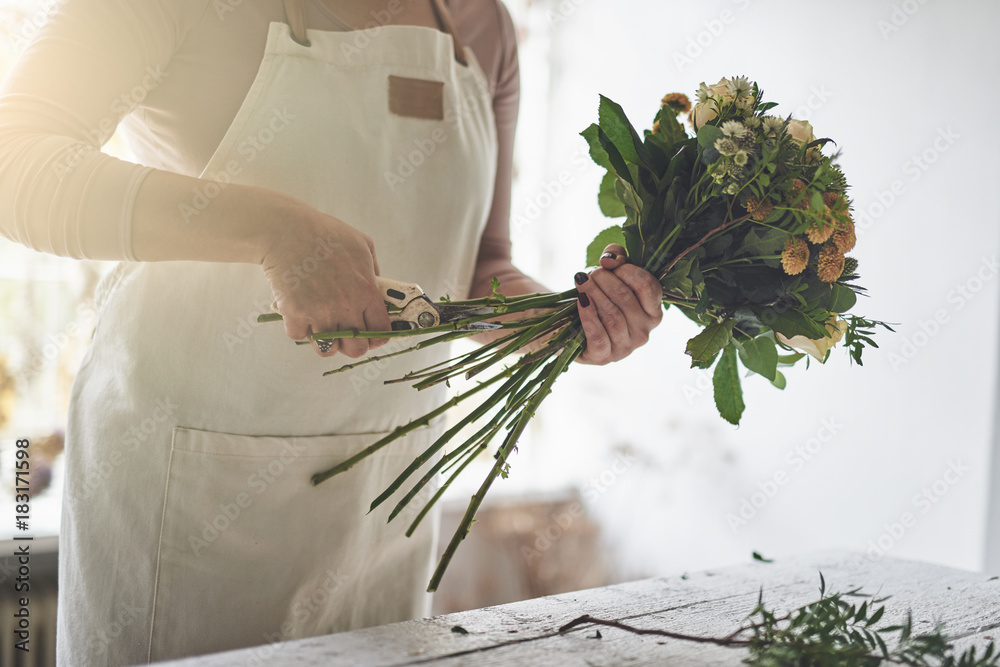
x=619, y=305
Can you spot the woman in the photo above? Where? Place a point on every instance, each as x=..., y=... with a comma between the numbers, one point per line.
x=298, y=138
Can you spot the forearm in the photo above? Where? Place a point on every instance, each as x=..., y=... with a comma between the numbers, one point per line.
x=174, y=219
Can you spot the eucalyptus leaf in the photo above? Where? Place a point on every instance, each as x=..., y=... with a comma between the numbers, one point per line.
x=779, y=380
x=842, y=299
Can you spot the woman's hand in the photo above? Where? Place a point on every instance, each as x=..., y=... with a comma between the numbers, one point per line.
x=322, y=273
x=619, y=305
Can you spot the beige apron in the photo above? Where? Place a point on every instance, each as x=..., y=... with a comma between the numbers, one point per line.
x=190, y=524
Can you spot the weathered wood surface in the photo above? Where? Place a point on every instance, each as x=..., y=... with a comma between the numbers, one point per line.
x=711, y=603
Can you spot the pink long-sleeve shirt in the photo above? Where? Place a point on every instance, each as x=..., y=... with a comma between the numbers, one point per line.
x=174, y=73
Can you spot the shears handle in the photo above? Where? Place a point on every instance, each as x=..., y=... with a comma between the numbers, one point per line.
x=415, y=311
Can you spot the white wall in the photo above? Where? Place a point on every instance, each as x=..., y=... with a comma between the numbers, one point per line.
x=922, y=405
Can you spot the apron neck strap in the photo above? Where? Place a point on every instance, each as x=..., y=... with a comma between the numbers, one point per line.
x=295, y=17
x=444, y=20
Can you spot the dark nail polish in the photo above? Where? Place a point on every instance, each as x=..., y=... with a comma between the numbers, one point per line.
x=580, y=278
x=609, y=255
x=584, y=300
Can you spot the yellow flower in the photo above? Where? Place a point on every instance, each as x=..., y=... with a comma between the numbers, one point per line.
x=796, y=256
x=830, y=263
x=656, y=127
x=817, y=348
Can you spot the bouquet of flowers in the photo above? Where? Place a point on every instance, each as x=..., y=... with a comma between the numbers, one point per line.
x=746, y=224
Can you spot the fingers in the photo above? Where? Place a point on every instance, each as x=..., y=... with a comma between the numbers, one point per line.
x=619, y=305
x=613, y=257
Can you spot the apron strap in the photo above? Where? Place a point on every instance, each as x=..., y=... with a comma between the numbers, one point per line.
x=444, y=20
x=295, y=17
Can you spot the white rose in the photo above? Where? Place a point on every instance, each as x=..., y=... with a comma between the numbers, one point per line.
x=801, y=131
x=817, y=348
x=709, y=99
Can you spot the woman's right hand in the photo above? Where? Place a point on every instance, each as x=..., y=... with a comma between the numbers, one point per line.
x=322, y=274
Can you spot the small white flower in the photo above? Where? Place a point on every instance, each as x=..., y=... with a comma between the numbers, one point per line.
x=734, y=129
x=732, y=189
x=739, y=87
x=704, y=92
x=772, y=124
x=725, y=146
x=752, y=122
x=740, y=158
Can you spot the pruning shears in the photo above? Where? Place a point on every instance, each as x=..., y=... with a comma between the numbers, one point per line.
x=410, y=308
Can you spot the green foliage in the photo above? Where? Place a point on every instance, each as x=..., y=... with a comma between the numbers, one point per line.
x=832, y=632
x=859, y=334
x=605, y=238
x=728, y=392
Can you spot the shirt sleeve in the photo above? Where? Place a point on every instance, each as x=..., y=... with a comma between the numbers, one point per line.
x=91, y=65
x=495, y=242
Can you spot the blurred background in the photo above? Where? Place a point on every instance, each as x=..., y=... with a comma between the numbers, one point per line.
x=629, y=472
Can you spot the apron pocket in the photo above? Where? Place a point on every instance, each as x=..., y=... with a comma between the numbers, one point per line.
x=252, y=553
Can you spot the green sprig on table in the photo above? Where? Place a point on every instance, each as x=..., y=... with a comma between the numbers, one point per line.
x=830, y=632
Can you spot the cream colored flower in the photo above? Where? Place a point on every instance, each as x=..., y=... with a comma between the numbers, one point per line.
x=710, y=99
x=817, y=348
x=801, y=131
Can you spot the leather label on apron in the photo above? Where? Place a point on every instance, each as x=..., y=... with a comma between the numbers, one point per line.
x=416, y=98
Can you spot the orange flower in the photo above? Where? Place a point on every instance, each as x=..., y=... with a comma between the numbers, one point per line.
x=830, y=263
x=796, y=256
x=798, y=185
x=817, y=235
x=677, y=101
x=759, y=210
x=845, y=238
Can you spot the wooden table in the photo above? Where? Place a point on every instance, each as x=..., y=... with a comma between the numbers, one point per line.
x=711, y=603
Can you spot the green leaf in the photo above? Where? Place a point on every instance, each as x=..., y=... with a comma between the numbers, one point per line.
x=817, y=204
x=597, y=153
x=728, y=392
x=712, y=338
x=842, y=299
x=791, y=323
x=610, y=205
x=757, y=556
x=615, y=157
x=596, y=247
x=671, y=129
x=612, y=120
x=760, y=356
x=708, y=135
x=779, y=380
